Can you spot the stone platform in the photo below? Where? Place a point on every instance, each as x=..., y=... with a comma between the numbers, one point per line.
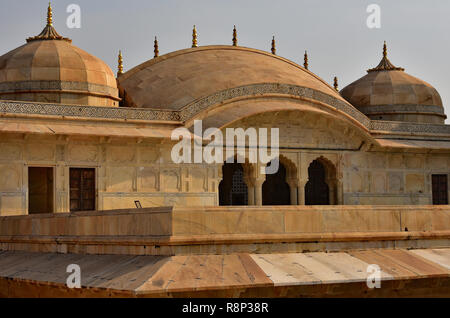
x=414, y=273
x=223, y=230
x=284, y=251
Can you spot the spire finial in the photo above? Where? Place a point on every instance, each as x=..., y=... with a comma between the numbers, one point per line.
x=305, y=60
x=194, y=37
x=385, y=64
x=336, y=84
x=234, y=36
x=120, y=64
x=156, y=50
x=273, y=49
x=49, y=15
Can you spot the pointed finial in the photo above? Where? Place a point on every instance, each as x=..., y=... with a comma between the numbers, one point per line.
x=120, y=64
x=273, y=49
x=49, y=15
x=336, y=84
x=384, y=50
x=194, y=37
x=155, y=45
x=234, y=36
x=305, y=60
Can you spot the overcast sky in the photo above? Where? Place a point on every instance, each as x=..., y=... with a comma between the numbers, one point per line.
x=334, y=32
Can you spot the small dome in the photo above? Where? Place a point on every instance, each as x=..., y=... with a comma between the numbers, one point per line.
x=388, y=93
x=48, y=68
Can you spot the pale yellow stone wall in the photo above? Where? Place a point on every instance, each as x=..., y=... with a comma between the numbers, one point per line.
x=125, y=171
x=130, y=169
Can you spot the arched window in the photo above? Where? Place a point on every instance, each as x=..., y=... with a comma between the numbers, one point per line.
x=232, y=189
x=275, y=190
x=317, y=191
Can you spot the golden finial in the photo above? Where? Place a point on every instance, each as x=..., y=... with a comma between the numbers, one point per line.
x=194, y=37
x=305, y=60
x=234, y=36
x=120, y=64
x=384, y=50
x=336, y=84
x=49, y=15
x=273, y=49
x=155, y=45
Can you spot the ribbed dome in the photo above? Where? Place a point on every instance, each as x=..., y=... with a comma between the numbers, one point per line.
x=50, y=69
x=388, y=93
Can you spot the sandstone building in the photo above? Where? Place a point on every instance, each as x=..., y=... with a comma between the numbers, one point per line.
x=359, y=170
x=74, y=137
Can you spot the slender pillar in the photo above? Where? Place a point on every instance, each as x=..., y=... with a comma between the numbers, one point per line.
x=340, y=192
x=251, y=195
x=258, y=191
x=301, y=192
x=293, y=186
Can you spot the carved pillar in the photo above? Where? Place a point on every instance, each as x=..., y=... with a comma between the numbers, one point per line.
x=301, y=192
x=293, y=186
x=340, y=191
x=249, y=181
x=258, y=191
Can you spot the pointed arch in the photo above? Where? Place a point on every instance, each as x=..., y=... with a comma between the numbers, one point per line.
x=321, y=187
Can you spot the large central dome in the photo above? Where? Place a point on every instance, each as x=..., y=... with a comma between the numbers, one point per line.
x=177, y=79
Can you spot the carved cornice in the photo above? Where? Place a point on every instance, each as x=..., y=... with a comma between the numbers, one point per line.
x=197, y=106
x=189, y=111
x=86, y=111
x=60, y=86
x=392, y=126
x=403, y=109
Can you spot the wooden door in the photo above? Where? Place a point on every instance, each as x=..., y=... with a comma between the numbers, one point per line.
x=439, y=188
x=82, y=189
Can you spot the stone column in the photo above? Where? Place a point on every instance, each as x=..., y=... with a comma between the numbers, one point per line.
x=301, y=192
x=258, y=191
x=294, y=191
x=340, y=192
x=251, y=195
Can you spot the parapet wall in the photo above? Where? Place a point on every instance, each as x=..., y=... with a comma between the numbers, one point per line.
x=186, y=230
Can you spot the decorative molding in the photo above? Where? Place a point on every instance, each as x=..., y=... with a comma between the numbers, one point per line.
x=404, y=108
x=199, y=105
x=392, y=126
x=194, y=108
x=21, y=86
x=86, y=111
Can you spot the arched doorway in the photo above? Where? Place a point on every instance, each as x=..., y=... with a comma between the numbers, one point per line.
x=275, y=190
x=232, y=189
x=317, y=191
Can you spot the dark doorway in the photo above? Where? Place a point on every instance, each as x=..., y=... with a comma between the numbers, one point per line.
x=40, y=190
x=232, y=189
x=275, y=190
x=82, y=189
x=317, y=191
x=439, y=188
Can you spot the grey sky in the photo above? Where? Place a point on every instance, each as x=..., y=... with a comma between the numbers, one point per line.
x=334, y=32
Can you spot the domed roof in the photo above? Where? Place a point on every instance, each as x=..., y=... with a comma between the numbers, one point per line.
x=48, y=68
x=177, y=79
x=388, y=93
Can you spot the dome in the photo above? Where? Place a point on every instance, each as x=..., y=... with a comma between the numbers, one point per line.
x=48, y=68
x=388, y=93
x=177, y=79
